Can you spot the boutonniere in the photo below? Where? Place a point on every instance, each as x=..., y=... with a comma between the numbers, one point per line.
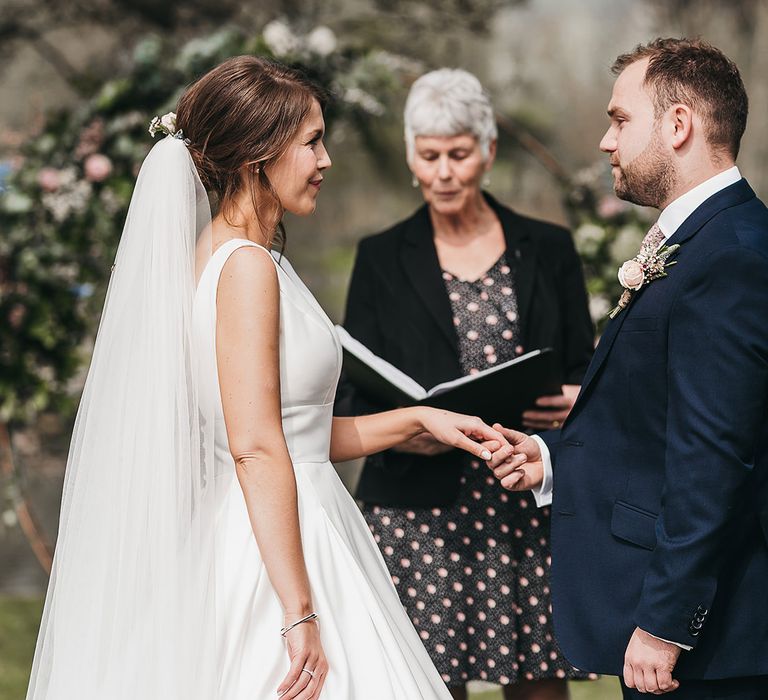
x=644, y=268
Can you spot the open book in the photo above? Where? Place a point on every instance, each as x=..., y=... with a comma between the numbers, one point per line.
x=498, y=394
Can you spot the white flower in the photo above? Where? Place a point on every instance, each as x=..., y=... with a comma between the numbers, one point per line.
x=322, y=41
x=626, y=243
x=280, y=39
x=588, y=238
x=169, y=122
x=599, y=306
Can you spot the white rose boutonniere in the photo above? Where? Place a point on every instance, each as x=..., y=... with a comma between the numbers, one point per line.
x=643, y=269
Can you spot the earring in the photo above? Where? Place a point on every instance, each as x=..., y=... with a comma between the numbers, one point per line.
x=414, y=182
x=486, y=180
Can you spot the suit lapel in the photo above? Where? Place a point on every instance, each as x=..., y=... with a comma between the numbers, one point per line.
x=418, y=257
x=731, y=196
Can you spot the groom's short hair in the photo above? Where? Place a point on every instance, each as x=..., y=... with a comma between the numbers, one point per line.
x=695, y=73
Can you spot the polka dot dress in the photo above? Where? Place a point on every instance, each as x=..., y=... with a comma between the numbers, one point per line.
x=473, y=576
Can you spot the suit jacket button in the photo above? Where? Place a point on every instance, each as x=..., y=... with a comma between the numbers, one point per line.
x=697, y=624
x=693, y=632
x=702, y=610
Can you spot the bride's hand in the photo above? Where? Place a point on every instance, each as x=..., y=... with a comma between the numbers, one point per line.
x=306, y=654
x=465, y=432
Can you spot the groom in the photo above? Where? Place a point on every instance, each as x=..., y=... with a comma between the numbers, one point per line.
x=660, y=510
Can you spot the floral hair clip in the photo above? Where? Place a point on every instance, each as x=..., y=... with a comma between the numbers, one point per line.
x=167, y=125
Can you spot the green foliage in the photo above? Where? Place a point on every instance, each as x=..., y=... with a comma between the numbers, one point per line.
x=19, y=620
x=64, y=204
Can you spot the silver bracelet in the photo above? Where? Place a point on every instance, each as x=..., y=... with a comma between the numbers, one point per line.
x=308, y=618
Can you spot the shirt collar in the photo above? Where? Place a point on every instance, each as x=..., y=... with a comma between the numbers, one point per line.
x=680, y=209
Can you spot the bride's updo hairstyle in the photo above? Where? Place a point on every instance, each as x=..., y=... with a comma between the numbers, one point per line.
x=240, y=117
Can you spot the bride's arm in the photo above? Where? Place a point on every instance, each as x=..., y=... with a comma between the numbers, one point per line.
x=247, y=351
x=364, y=435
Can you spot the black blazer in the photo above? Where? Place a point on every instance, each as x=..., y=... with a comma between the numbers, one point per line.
x=398, y=307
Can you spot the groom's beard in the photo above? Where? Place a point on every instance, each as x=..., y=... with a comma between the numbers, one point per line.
x=649, y=178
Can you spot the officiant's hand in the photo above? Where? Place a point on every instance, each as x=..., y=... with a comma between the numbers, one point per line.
x=517, y=465
x=550, y=412
x=649, y=662
x=424, y=445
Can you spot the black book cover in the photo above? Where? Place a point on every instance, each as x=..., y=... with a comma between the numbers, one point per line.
x=499, y=394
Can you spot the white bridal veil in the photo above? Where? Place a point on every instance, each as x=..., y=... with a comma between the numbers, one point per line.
x=129, y=613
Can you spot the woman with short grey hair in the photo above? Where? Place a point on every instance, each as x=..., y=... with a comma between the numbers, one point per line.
x=462, y=285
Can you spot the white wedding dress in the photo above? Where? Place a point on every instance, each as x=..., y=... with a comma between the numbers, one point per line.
x=373, y=651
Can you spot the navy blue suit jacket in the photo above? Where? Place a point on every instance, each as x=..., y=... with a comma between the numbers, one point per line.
x=660, y=511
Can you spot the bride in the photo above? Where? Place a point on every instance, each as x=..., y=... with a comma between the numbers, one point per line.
x=207, y=549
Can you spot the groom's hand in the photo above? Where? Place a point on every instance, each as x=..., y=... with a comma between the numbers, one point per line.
x=517, y=464
x=649, y=662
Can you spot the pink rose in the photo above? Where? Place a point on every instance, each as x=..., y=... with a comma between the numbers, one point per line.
x=49, y=179
x=631, y=275
x=97, y=167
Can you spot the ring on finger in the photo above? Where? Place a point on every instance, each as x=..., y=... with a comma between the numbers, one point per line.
x=306, y=670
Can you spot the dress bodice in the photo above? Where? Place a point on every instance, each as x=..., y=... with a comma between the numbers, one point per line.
x=310, y=358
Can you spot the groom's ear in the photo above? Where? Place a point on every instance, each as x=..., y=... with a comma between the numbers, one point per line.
x=679, y=123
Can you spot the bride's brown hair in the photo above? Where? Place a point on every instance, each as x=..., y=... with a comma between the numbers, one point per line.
x=244, y=114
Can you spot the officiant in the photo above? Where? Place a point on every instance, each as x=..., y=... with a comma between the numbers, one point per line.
x=462, y=285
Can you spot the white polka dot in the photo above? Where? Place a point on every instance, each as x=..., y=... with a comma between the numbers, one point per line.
x=405, y=563
x=488, y=282
x=472, y=306
x=427, y=558
x=505, y=270
x=454, y=296
x=491, y=320
x=472, y=335
x=506, y=291
x=424, y=634
x=399, y=532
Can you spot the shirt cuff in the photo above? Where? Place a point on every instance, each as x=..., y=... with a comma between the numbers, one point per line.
x=685, y=647
x=543, y=494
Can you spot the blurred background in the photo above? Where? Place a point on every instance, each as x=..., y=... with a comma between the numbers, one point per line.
x=81, y=80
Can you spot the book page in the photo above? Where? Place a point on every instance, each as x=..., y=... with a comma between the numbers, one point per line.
x=387, y=370
x=447, y=386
